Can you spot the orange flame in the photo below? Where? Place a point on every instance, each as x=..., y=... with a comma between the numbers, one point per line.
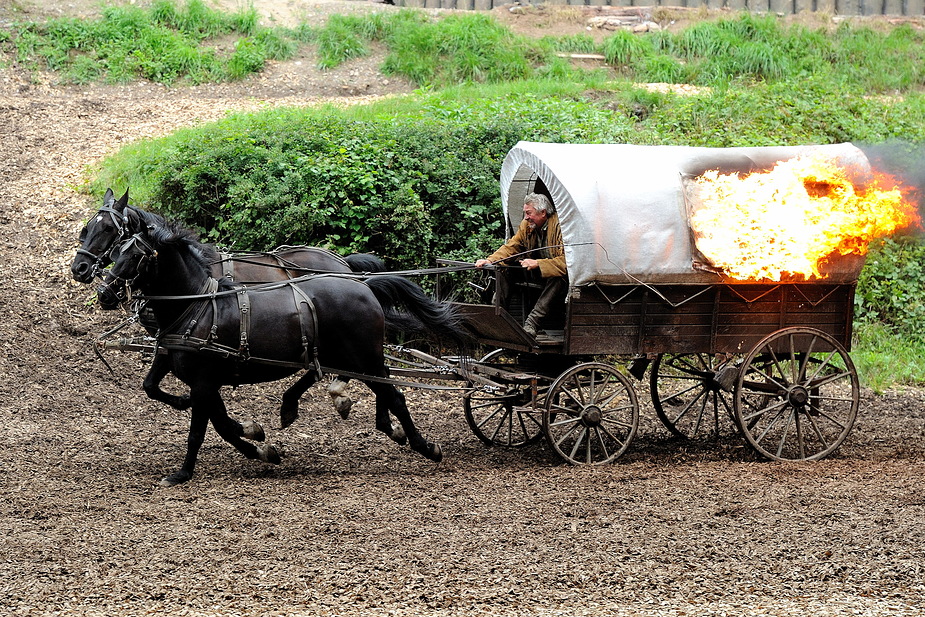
x=794, y=218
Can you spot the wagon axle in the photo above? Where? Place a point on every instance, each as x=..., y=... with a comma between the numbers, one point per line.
x=591, y=416
x=798, y=396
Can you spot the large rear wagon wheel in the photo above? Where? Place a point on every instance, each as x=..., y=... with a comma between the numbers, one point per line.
x=796, y=398
x=591, y=414
x=687, y=396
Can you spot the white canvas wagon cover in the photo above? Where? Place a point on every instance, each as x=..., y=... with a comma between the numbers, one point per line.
x=622, y=207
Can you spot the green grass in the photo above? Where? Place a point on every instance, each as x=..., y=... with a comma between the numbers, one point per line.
x=169, y=43
x=885, y=358
x=164, y=43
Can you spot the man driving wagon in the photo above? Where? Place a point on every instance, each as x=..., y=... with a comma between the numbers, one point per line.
x=537, y=247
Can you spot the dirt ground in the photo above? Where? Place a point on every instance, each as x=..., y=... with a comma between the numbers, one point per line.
x=350, y=523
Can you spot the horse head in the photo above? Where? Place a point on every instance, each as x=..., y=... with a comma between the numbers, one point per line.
x=133, y=259
x=102, y=233
x=137, y=259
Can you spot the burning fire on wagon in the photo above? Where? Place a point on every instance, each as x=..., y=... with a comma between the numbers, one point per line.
x=795, y=219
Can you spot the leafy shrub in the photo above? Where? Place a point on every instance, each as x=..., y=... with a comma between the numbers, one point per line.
x=891, y=289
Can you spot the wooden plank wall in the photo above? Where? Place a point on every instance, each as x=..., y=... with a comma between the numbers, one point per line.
x=688, y=319
x=908, y=8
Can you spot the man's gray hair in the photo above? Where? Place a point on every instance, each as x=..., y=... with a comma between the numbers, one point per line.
x=539, y=202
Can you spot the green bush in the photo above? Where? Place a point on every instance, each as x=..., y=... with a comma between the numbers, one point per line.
x=891, y=289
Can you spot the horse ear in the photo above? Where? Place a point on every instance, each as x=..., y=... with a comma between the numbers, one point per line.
x=123, y=201
x=132, y=220
x=108, y=199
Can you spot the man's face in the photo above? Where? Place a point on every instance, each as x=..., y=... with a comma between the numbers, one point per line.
x=537, y=219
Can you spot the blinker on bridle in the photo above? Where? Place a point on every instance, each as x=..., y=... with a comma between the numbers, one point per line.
x=147, y=252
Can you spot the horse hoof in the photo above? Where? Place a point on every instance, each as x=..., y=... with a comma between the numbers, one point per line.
x=434, y=452
x=288, y=415
x=174, y=479
x=269, y=454
x=253, y=431
x=398, y=435
x=343, y=405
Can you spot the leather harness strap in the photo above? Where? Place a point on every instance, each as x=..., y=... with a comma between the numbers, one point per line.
x=244, y=308
x=308, y=356
x=308, y=323
x=227, y=265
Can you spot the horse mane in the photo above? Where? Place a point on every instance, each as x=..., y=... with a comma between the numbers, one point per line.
x=173, y=233
x=150, y=219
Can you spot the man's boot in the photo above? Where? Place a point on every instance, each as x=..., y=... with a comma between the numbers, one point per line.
x=531, y=324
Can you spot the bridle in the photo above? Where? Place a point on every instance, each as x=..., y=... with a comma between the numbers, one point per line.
x=118, y=220
x=126, y=285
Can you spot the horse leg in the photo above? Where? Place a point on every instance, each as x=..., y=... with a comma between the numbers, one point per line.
x=384, y=422
x=208, y=404
x=160, y=366
x=289, y=410
x=199, y=421
x=394, y=401
x=232, y=431
x=248, y=429
x=338, y=391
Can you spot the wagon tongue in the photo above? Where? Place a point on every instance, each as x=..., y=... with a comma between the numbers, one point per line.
x=793, y=220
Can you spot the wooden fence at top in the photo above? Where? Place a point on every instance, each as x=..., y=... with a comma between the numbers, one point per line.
x=907, y=8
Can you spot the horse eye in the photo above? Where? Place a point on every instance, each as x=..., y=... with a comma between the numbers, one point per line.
x=83, y=234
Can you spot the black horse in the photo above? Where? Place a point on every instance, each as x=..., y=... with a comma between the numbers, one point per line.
x=109, y=227
x=222, y=334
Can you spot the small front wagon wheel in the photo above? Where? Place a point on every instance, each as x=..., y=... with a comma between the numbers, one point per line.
x=503, y=419
x=591, y=414
x=797, y=395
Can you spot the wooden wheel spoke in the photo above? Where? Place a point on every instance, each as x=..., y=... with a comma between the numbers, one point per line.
x=600, y=439
x=503, y=420
x=801, y=376
x=780, y=370
x=823, y=364
x=580, y=398
x=823, y=414
x=819, y=435
x=577, y=399
x=581, y=437
x=685, y=395
x=622, y=425
x=760, y=412
x=696, y=386
x=502, y=410
x=780, y=413
x=827, y=379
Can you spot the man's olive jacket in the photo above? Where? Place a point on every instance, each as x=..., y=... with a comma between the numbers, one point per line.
x=551, y=258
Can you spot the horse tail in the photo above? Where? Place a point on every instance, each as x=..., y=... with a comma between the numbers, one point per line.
x=409, y=310
x=364, y=262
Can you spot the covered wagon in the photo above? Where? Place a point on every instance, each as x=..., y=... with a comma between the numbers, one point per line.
x=669, y=262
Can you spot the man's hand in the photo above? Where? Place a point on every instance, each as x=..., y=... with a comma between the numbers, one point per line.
x=530, y=264
x=482, y=262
